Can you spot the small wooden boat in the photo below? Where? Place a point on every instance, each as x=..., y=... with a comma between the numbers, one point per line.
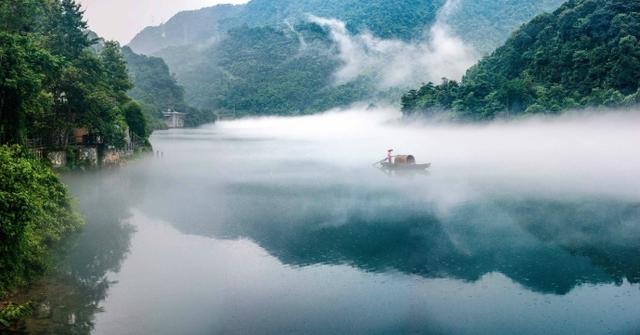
x=403, y=163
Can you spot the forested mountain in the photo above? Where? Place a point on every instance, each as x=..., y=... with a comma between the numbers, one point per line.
x=224, y=55
x=156, y=90
x=487, y=24
x=267, y=71
x=398, y=18
x=484, y=24
x=584, y=54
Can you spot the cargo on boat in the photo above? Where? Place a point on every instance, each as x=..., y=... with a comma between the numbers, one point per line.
x=402, y=163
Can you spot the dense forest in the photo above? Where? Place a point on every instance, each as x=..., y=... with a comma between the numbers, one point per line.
x=156, y=91
x=584, y=54
x=52, y=81
x=224, y=55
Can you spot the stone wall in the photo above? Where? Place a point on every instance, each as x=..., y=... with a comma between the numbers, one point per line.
x=111, y=157
x=115, y=157
x=58, y=159
x=87, y=156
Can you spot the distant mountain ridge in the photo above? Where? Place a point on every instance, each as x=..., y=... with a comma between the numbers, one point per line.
x=203, y=47
x=189, y=27
x=387, y=18
x=491, y=20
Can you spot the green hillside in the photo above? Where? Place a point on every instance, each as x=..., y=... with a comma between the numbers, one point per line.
x=584, y=54
x=265, y=71
x=156, y=90
x=225, y=56
x=398, y=18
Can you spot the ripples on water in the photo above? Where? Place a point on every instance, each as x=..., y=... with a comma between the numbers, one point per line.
x=282, y=226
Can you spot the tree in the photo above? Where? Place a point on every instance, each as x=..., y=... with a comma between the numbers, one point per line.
x=23, y=70
x=115, y=67
x=136, y=120
x=69, y=29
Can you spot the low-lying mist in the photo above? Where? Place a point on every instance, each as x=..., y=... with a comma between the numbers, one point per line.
x=578, y=153
x=320, y=166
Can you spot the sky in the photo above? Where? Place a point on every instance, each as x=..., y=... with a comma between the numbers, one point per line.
x=121, y=20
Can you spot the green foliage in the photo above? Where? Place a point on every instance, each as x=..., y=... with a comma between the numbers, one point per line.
x=197, y=116
x=52, y=80
x=403, y=19
x=12, y=312
x=136, y=119
x=35, y=212
x=584, y=54
x=487, y=24
x=24, y=68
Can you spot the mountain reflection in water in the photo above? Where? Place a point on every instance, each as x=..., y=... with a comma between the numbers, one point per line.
x=549, y=246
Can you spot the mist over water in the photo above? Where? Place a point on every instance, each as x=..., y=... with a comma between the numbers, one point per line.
x=588, y=154
x=282, y=225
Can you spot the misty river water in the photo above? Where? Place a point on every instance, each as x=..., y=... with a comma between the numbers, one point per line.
x=283, y=226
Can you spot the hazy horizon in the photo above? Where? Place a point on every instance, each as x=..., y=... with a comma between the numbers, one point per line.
x=121, y=20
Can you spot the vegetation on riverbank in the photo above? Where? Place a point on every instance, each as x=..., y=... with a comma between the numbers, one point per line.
x=584, y=54
x=35, y=213
x=59, y=91
x=54, y=78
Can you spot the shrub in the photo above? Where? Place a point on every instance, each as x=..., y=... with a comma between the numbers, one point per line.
x=35, y=212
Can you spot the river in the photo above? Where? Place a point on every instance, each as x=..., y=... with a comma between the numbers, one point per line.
x=283, y=226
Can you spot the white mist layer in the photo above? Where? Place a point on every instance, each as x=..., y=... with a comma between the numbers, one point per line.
x=586, y=154
x=395, y=63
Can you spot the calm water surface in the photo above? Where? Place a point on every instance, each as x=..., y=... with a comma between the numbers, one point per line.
x=282, y=226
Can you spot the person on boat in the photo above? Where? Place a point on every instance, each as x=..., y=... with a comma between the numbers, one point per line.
x=390, y=156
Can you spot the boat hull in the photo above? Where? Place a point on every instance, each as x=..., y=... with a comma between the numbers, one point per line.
x=405, y=167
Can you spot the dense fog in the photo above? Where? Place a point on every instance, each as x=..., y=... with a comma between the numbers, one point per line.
x=585, y=153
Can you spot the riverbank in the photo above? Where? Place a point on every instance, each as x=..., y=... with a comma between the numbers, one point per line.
x=36, y=215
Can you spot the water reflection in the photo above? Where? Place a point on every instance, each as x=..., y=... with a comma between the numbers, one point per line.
x=67, y=300
x=546, y=245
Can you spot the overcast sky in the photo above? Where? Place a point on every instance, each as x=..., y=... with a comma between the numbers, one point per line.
x=121, y=20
